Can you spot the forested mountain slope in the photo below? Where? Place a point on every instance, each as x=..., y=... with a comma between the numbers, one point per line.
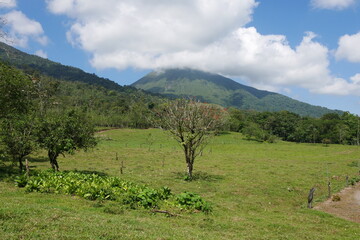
x=217, y=89
x=32, y=63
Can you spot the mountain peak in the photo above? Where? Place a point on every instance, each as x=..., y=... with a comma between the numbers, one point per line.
x=193, y=75
x=215, y=88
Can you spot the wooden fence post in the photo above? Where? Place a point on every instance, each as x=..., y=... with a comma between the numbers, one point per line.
x=122, y=167
x=311, y=197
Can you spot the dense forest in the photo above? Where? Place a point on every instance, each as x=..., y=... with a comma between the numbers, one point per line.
x=287, y=126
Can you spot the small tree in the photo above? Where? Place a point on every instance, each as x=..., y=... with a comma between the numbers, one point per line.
x=190, y=123
x=18, y=137
x=16, y=108
x=16, y=92
x=65, y=133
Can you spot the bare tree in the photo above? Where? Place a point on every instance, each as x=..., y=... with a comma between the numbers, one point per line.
x=190, y=123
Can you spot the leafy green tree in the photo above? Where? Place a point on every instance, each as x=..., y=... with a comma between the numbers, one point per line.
x=253, y=131
x=284, y=124
x=65, y=133
x=237, y=118
x=190, y=123
x=18, y=137
x=343, y=132
x=16, y=92
x=307, y=131
x=353, y=123
x=16, y=107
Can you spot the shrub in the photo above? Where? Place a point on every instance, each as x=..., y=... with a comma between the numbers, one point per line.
x=191, y=200
x=95, y=187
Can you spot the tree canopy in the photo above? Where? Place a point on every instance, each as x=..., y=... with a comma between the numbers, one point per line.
x=64, y=133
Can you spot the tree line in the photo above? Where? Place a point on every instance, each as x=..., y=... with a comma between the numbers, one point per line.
x=287, y=126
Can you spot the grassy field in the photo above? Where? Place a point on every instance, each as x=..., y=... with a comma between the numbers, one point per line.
x=258, y=191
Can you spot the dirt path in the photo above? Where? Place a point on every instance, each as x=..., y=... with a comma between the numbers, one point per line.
x=348, y=207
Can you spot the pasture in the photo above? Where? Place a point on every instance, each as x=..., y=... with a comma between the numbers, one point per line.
x=257, y=190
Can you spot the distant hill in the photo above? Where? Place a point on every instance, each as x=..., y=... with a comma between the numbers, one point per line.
x=64, y=87
x=28, y=62
x=218, y=89
x=173, y=82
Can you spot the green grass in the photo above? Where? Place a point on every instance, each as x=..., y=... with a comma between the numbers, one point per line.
x=258, y=191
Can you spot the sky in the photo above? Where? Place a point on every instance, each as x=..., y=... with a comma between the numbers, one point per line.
x=308, y=50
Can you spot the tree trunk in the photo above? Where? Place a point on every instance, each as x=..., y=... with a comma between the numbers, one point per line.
x=21, y=165
x=53, y=160
x=189, y=161
x=190, y=170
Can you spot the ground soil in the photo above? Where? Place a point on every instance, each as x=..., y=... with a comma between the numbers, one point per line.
x=348, y=207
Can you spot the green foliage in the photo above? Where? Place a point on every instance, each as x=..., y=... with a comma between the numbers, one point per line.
x=18, y=135
x=32, y=63
x=16, y=92
x=21, y=180
x=64, y=133
x=56, y=86
x=95, y=187
x=191, y=200
x=354, y=180
x=267, y=126
x=214, y=88
x=17, y=121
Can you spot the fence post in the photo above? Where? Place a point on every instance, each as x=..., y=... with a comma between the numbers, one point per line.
x=311, y=197
x=122, y=163
x=122, y=167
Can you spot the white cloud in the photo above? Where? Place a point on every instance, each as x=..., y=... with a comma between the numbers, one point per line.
x=8, y=3
x=210, y=35
x=151, y=26
x=356, y=79
x=332, y=4
x=21, y=29
x=341, y=87
x=349, y=48
x=41, y=53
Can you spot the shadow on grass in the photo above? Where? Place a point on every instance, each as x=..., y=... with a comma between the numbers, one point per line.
x=251, y=139
x=37, y=159
x=8, y=172
x=222, y=133
x=199, y=176
x=102, y=174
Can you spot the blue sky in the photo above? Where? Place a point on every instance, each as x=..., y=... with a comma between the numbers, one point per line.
x=306, y=49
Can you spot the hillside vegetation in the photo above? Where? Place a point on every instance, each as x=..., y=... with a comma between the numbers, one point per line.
x=31, y=63
x=217, y=89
